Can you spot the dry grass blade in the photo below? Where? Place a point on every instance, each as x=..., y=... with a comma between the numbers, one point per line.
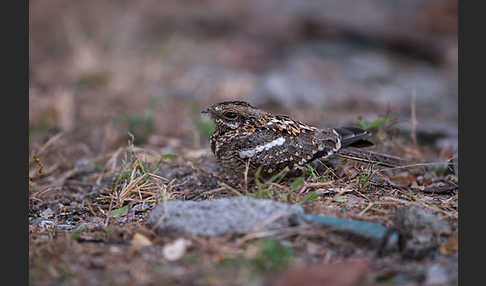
x=370, y=205
x=34, y=174
x=113, y=160
x=129, y=188
x=60, y=182
x=256, y=232
x=315, y=185
x=158, y=177
x=207, y=193
x=38, y=194
x=163, y=190
x=49, y=142
x=134, y=181
x=413, y=119
x=422, y=204
x=414, y=165
x=112, y=163
x=37, y=160
x=247, y=166
x=109, y=211
x=255, y=235
x=233, y=190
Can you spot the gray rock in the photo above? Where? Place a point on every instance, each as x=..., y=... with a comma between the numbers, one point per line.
x=236, y=215
x=421, y=231
x=444, y=271
x=441, y=134
x=436, y=275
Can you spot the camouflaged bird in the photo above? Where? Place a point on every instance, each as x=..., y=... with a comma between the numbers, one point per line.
x=245, y=134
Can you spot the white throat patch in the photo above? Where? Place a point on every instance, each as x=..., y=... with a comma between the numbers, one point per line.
x=231, y=125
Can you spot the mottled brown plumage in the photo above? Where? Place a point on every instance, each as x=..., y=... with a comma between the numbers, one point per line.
x=245, y=134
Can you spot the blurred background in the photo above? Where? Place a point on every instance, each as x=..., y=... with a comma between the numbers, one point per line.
x=101, y=69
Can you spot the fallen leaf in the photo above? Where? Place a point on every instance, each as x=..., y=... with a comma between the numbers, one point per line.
x=170, y=155
x=310, y=197
x=123, y=211
x=140, y=240
x=402, y=180
x=297, y=183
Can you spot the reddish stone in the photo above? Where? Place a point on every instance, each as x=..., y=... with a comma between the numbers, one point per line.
x=347, y=273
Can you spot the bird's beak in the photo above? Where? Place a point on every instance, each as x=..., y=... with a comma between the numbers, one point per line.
x=206, y=113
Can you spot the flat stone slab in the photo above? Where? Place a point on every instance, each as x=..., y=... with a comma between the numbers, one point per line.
x=236, y=215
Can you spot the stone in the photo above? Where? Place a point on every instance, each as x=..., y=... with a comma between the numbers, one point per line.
x=346, y=273
x=235, y=215
x=421, y=231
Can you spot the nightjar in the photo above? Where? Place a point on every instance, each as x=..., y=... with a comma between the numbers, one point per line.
x=245, y=135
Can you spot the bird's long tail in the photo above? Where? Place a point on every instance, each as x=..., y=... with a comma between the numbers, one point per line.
x=386, y=160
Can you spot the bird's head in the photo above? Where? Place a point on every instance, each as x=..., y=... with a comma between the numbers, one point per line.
x=230, y=115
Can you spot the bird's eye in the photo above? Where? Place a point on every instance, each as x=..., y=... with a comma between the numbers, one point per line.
x=230, y=115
